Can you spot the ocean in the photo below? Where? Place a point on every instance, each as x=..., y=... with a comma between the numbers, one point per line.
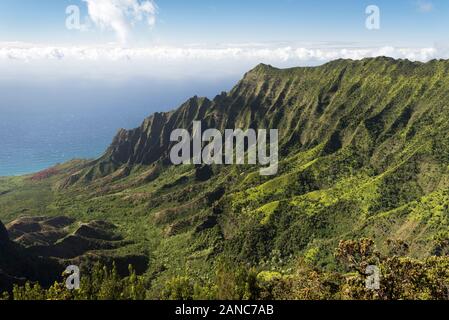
x=53, y=122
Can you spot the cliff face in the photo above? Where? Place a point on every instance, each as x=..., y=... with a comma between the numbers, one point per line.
x=40, y=248
x=358, y=140
x=7, y=256
x=364, y=152
x=3, y=234
x=361, y=103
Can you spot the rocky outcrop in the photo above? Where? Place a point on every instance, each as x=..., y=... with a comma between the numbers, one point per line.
x=39, y=248
x=337, y=104
x=53, y=238
x=31, y=231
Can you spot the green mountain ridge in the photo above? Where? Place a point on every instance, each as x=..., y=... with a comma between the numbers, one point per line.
x=307, y=104
x=364, y=152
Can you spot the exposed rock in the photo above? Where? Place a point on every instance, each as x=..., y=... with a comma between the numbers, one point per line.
x=24, y=225
x=59, y=222
x=92, y=232
x=44, y=229
x=41, y=248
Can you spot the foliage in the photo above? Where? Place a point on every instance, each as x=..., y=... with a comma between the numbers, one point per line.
x=102, y=283
x=364, y=155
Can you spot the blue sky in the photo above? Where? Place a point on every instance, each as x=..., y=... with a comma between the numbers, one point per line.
x=403, y=22
x=176, y=39
x=133, y=57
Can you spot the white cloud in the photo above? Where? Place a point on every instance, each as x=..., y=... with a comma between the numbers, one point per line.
x=120, y=15
x=109, y=62
x=28, y=52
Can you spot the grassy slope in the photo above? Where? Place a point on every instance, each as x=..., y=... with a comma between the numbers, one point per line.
x=365, y=153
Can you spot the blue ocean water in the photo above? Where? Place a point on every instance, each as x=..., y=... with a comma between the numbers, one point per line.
x=42, y=125
x=32, y=141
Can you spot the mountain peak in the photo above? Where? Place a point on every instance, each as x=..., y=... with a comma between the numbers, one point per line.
x=302, y=102
x=262, y=67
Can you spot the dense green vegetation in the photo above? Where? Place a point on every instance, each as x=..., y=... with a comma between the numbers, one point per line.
x=364, y=154
x=402, y=278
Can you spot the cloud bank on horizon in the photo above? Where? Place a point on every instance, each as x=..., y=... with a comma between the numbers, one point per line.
x=280, y=54
x=182, y=61
x=172, y=55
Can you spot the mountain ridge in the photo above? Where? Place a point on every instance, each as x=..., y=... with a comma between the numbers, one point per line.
x=238, y=108
x=364, y=153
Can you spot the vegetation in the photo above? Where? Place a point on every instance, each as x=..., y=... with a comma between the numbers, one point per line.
x=364, y=155
x=402, y=278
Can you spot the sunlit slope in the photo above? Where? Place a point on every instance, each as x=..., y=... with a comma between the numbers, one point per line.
x=364, y=152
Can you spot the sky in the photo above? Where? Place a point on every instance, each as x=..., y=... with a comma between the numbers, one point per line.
x=80, y=69
x=176, y=22
x=121, y=40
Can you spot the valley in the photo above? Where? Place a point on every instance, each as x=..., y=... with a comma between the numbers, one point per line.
x=363, y=154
